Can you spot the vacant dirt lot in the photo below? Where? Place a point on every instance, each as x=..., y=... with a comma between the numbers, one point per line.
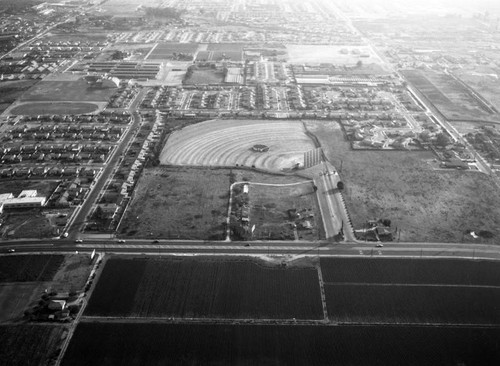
x=427, y=205
x=178, y=203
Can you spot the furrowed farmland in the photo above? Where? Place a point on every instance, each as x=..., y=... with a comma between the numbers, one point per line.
x=24, y=345
x=412, y=291
x=383, y=303
x=205, y=289
x=448, y=95
x=208, y=344
x=413, y=271
x=29, y=267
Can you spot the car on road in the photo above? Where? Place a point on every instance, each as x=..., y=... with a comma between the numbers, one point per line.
x=78, y=241
x=156, y=241
x=121, y=241
x=379, y=245
x=11, y=250
x=247, y=245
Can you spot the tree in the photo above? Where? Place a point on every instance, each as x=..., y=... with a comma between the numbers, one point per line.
x=340, y=185
x=359, y=64
x=442, y=140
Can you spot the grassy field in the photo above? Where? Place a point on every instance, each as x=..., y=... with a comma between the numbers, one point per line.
x=11, y=90
x=269, y=207
x=178, y=203
x=68, y=91
x=24, y=345
x=205, y=288
x=127, y=344
x=424, y=204
x=73, y=273
x=35, y=109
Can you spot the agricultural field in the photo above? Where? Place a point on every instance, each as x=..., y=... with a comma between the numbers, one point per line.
x=229, y=143
x=24, y=278
x=172, y=51
x=15, y=298
x=125, y=344
x=389, y=303
x=452, y=99
x=178, y=203
x=28, y=268
x=336, y=55
x=24, y=345
x=274, y=210
x=391, y=290
x=485, y=81
x=411, y=271
x=424, y=204
x=205, y=288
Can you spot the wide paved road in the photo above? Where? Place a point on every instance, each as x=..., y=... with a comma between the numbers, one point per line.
x=261, y=248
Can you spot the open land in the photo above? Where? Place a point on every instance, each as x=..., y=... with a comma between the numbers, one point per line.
x=331, y=54
x=43, y=187
x=425, y=204
x=159, y=344
x=451, y=98
x=178, y=203
x=388, y=290
x=15, y=298
x=168, y=50
x=205, y=288
x=69, y=91
x=205, y=76
x=485, y=81
x=269, y=212
x=24, y=278
x=35, y=109
x=29, y=344
x=11, y=90
x=27, y=268
x=229, y=143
